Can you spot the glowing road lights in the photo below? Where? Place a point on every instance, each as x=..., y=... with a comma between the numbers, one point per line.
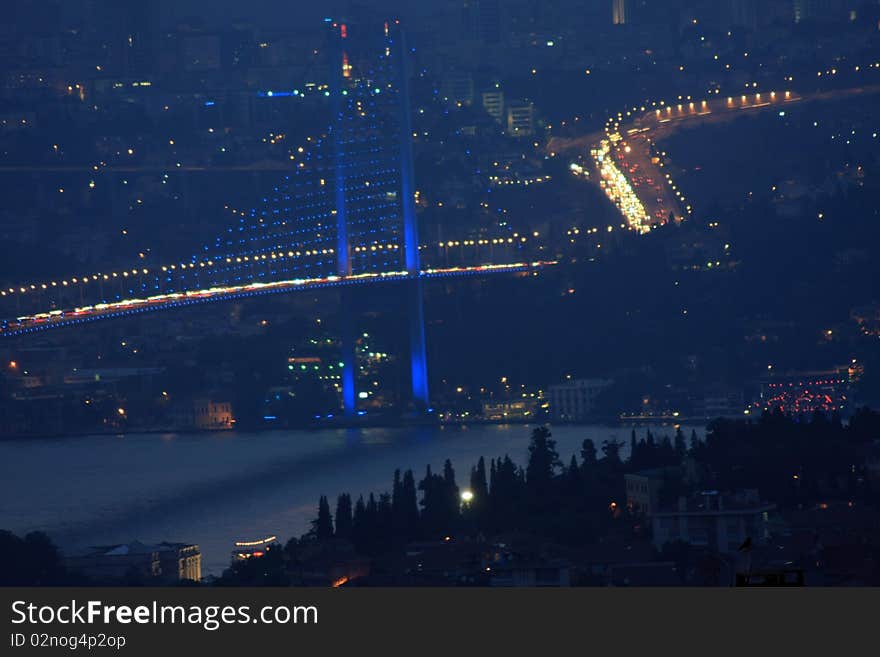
x=30, y=323
x=618, y=189
x=613, y=179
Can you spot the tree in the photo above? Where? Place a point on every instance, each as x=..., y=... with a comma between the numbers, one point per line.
x=476, y=511
x=611, y=451
x=43, y=559
x=451, y=497
x=410, y=502
x=588, y=453
x=404, y=507
x=384, y=523
x=479, y=485
x=506, y=495
x=440, y=501
x=572, y=477
x=322, y=526
x=31, y=561
x=666, y=452
x=543, y=463
x=680, y=446
x=360, y=529
x=343, y=516
x=397, y=518
x=430, y=503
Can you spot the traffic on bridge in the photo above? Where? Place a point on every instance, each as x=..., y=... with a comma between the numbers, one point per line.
x=631, y=169
x=58, y=318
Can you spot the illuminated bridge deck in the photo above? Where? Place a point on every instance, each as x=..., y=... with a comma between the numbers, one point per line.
x=58, y=318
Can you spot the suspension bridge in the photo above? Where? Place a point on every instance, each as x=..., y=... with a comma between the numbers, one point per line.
x=343, y=216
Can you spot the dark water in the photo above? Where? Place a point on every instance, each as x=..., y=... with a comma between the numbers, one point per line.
x=213, y=489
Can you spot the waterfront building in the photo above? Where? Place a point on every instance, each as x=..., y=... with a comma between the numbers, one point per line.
x=575, y=401
x=203, y=414
x=162, y=563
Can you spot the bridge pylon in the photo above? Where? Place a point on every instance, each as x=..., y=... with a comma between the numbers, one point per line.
x=416, y=310
x=374, y=182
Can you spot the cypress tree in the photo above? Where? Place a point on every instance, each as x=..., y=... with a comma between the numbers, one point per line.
x=480, y=489
x=430, y=504
x=385, y=530
x=371, y=524
x=588, y=453
x=397, y=514
x=543, y=463
x=451, y=498
x=322, y=526
x=680, y=446
x=479, y=485
x=344, y=518
x=611, y=450
x=410, y=505
x=359, y=526
x=666, y=451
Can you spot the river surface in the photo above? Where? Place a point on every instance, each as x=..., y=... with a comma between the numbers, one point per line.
x=214, y=489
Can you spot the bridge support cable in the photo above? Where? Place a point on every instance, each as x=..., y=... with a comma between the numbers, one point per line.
x=337, y=128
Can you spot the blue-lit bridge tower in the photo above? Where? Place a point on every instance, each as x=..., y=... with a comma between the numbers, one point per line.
x=373, y=182
x=346, y=206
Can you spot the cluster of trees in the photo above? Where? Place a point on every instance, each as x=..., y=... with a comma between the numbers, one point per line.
x=392, y=519
x=793, y=460
x=653, y=453
x=31, y=561
x=789, y=460
x=568, y=502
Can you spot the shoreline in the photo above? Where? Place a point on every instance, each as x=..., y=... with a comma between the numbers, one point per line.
x=413, y=423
